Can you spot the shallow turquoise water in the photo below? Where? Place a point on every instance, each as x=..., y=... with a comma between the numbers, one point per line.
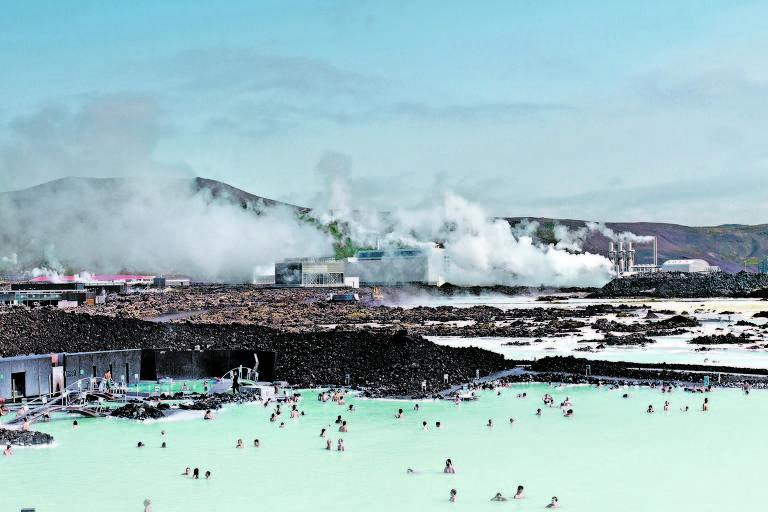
x=611, y=455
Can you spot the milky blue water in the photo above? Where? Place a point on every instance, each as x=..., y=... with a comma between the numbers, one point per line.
x=611, y=455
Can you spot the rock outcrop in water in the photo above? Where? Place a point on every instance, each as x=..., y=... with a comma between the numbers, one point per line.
x=685, y=285
x=721, y=339
x=216, y=401
x=24, y=437
x=136, y=411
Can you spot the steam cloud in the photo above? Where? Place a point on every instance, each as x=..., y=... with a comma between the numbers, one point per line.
x=481, y=250
x=105, y=226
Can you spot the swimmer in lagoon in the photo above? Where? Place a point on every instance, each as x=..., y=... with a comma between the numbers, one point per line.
x=163, y=445
x=75, y=425
x=195, y=474
x=322, y=433
x=344, y=427
x=256, y=443
x=140, y=445
x=351, y=408
x=449, y=467
x=666, y=406
x=519, y=494
x=452, y=499
x=490, y=423
x=684, y=409
x=705, y=405
x=338, y=419
x=416, y=407
x=511, y=421
x=412, y=472
x=424, y=426
x=568, y=413
x=538, y=412
x=187, y=472
x=207, y=475
x=499, y=497
x=8, y=451
x=209, y=415
x=650, y=409
x=282, y=424
x=553, y=503
x=273, y=418
x=240, y=444
x=399, y=414
x=329, y=445
x=162, y=433
x=340, y=446
x=438, y=425
x=147, y=505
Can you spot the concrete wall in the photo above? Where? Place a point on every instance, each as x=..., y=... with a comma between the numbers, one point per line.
x=189, y=365
x=37, y=374
x=80, y=365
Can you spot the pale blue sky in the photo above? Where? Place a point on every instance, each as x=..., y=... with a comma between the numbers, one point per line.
x=609, y=111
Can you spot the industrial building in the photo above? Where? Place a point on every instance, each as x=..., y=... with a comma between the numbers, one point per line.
x=371, y=267
x=35, y=375
x=622, y=257
x=171, y=281
x=58, y=298
x=398, y=266
x=311, y=272
x=694, y=265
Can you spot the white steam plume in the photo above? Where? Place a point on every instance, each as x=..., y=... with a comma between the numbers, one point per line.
x=626, y=236
x=147, y=226
x=481, y=250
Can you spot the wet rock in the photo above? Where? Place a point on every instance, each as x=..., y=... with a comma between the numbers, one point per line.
x=24, y=438
x=722, y=339
x=133, y=411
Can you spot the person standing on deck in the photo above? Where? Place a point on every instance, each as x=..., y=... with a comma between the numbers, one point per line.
x=235, y=382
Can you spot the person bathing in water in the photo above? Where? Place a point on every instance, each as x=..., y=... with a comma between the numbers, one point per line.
x=449, y=467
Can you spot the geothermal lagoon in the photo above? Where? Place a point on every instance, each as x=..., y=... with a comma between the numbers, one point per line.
x=611, y=455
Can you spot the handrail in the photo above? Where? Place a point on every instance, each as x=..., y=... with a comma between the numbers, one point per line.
x=73, y=395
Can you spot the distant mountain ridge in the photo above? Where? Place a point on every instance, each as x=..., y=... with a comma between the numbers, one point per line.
x=726, y=246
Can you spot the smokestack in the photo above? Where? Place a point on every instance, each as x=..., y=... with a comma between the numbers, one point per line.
x=622, y=257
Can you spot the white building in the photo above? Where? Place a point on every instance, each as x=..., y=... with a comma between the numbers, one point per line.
x=398, y=266
x=688, y=266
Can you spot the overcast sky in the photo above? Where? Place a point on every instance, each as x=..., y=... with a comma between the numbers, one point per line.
x=599, y=110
